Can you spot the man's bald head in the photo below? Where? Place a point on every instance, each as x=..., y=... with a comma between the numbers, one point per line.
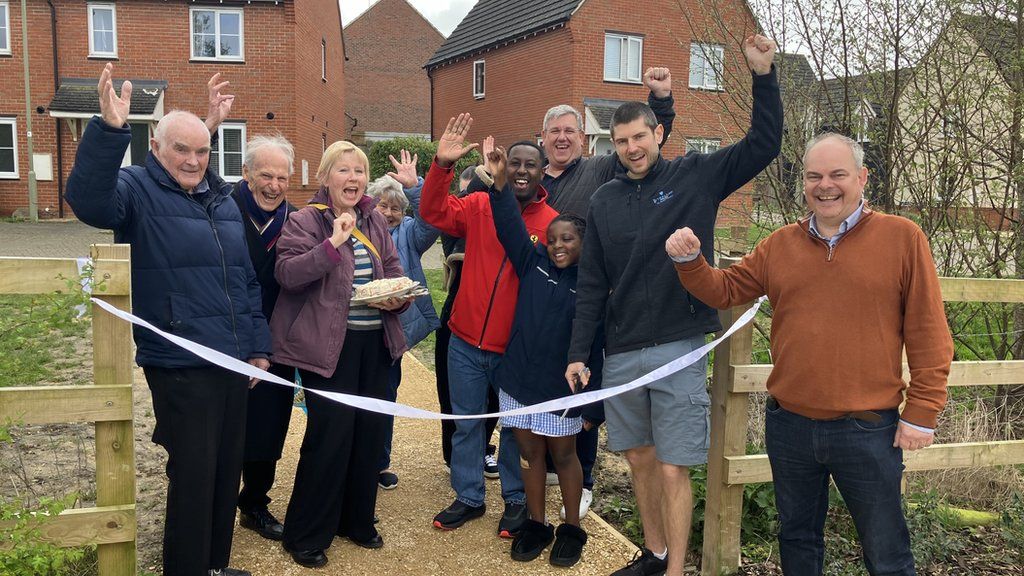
x=181, y=144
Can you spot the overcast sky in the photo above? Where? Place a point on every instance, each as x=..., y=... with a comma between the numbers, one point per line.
x=445, y=15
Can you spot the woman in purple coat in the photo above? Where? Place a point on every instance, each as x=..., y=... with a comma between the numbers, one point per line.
x=326, y=250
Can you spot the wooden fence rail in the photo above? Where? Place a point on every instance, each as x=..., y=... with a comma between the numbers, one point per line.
x=111, y=524
x=734, y=378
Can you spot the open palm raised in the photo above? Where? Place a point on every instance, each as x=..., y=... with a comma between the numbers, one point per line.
x=452, y=144
x=113, y=108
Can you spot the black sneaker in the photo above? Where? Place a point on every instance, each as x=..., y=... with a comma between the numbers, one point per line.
x=228, y=572
x=261, y=521
x=490, y=467
x=511, y=520
x=569, y=542
x=644, y=563
x=532, y=539
x=457, y=514
x=387, y=480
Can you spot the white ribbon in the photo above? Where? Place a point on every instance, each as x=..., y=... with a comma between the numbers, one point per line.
x=396, y=409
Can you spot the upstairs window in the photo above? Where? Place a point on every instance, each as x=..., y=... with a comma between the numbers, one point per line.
x=478, y=79
x=706, y=66
x=227, y=154
x=102, y=30
x=5, y=28
x=217, y=34
x=702, y=145
x=623, y=57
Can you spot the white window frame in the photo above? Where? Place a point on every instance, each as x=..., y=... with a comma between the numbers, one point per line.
x=323, y=59
x=216, y=31
x=13, y=123
x=625, y=42
x=479, y=73
x=93, y=52
x=219, y=151
x=703, y=145
x=703, y=50
x=5, y=8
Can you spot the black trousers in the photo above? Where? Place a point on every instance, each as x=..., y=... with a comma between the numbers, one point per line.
x=267, y=417
x=336, y=481
x=200, y=421
x=442, y=336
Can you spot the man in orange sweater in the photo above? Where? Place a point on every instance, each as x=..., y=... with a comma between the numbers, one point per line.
x=849, y=288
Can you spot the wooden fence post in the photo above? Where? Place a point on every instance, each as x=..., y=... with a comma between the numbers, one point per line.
x=724, y=506
x=115, y=447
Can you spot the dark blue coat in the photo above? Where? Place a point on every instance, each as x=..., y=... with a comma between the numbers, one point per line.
x=191, y=273
x=532, y=369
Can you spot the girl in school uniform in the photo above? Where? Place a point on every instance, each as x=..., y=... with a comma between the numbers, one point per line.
x=533, y=366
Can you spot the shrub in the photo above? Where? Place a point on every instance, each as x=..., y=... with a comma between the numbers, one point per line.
x=380, y=165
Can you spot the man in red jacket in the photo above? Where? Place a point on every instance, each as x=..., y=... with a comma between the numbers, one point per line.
x=482, y=316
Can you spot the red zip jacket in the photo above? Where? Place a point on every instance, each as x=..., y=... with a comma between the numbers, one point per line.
x=486, y=302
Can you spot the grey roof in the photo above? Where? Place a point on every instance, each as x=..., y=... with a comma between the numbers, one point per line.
x=997, y=37
x=79, y=95
x=602, y=110
x=875, y=88
x=794, y=72
x=492, y=22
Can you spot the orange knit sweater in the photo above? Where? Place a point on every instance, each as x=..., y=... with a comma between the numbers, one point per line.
x=840, y=319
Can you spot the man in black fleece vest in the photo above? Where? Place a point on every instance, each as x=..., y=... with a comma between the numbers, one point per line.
x=626, y=281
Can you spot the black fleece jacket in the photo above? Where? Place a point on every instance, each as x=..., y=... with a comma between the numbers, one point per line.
x=625, y=277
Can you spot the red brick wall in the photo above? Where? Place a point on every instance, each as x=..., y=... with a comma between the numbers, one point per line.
x=576, y=53
x=320, y=105
x=520, y=87
x=153, y=43
x=387, y=88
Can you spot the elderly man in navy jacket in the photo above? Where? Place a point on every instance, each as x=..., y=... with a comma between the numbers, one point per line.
x=191, y=276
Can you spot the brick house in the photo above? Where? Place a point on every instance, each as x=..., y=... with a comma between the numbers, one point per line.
x=508, y=61
x=387, y=92
x=284, y=79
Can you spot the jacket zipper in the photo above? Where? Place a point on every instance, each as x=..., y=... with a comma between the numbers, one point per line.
x=224, y=273
x=490, y=303
x=643, y=258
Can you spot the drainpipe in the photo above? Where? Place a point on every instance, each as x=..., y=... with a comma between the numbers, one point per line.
x=56, y=87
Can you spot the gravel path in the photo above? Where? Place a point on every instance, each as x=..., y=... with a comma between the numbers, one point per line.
x=412, y=545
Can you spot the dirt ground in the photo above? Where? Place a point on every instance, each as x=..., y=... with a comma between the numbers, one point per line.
x=412, y=544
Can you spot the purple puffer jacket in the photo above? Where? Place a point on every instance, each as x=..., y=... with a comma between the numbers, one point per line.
x=311, y=314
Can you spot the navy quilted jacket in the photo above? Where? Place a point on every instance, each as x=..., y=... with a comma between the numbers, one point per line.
x=191, y=273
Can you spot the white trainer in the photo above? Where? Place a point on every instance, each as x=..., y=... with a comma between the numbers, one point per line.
x=586, y=499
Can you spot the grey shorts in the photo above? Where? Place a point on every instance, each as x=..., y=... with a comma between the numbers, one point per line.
x=672, y=414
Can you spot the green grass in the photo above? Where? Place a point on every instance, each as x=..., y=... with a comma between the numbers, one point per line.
x=37, y=335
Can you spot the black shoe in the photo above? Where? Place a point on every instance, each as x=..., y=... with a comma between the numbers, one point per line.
x=262, y=522
x=491, y=467
x=511, y=520
x=644, y=563
x=307, y=558
x=569, y=542
x=373, y=543
x=387, y=480
x=532, y=538
x=228, y=572
x=457, y=514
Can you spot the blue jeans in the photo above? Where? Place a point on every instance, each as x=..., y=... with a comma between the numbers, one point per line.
x=470, y=375
x=394, y=379
x=866, y=468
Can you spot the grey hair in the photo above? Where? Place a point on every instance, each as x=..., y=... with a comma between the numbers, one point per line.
x=387, y=189
x=562, y=110
x=257, y=144
x=174, y=117
x=855, y=148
